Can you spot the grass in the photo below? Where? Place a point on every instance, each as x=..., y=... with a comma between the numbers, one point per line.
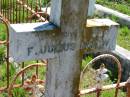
x=109, y=93
x=2, y=31
x=123, y=38
x=121, y=5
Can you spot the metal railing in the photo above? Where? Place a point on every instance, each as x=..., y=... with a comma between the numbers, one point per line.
x=23, y=11
x=8, y=63
x=106, y=88
x=98, y=90
x=6, y=43
x=19, y=11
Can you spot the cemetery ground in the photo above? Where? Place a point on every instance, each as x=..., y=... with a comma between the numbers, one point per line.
x=123, y=40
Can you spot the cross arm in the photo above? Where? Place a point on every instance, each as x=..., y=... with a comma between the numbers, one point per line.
x=32, y=40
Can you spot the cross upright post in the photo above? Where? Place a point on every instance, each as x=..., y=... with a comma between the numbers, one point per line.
x=63, y=72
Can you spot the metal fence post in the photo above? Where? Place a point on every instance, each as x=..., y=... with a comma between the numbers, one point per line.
x=128, y=87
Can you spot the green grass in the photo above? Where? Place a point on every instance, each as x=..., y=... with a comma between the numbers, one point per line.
x=108, y=93
x=120, y=5
x=123, y=38
x=2, y=31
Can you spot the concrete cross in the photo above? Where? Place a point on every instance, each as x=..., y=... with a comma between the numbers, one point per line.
x=61, y=41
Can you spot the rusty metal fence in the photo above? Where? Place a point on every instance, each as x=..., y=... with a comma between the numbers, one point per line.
x=7, y=80
x=19, y=11
x=94, y=92
x=99, y=87
x=23, y=11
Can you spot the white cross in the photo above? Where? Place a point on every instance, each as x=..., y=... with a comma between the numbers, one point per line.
x=61, y=41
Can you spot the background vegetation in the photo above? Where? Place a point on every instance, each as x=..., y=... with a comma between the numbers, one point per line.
x=119, y=5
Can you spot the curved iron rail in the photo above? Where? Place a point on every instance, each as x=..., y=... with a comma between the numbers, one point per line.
x=106, y=56
x=6, y=42
x=19, y=73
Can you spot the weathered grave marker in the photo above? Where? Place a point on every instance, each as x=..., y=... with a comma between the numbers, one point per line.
x=63, y=78
x=62, y=46
x=43, y=40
